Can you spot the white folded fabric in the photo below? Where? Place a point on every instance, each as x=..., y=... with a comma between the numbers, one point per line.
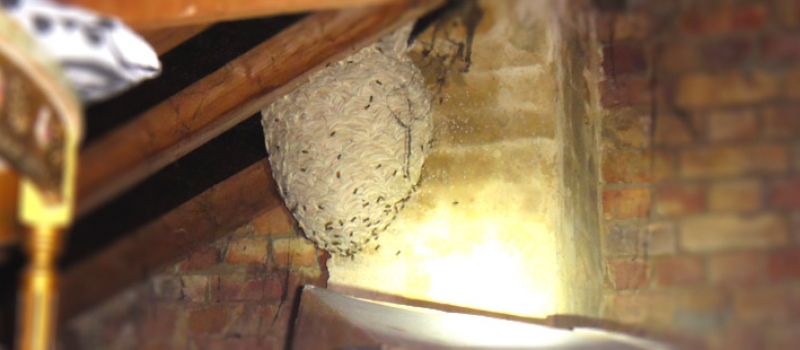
x=101, y=57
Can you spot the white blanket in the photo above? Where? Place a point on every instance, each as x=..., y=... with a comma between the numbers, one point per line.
x=101, y=57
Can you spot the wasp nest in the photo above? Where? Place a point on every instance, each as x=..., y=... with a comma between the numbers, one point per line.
x=346, y=148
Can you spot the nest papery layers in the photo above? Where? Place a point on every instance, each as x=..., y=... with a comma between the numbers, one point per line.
x=347, y=148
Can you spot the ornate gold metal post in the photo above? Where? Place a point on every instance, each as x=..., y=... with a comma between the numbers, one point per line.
x=38, y=300
x=47, y=217
x=40, y=128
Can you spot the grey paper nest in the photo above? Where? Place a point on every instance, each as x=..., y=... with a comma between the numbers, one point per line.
x=347, y=148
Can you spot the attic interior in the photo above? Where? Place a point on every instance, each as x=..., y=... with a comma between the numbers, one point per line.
x=600, y=174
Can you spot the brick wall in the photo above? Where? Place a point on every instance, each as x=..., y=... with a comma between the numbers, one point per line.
x=700, y=174
x=237, y=293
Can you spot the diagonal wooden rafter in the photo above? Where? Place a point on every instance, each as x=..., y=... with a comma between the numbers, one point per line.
x=164, y=39
x=148, y=14
x=202, y=111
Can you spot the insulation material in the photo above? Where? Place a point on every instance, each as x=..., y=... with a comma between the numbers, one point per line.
x=347, y=148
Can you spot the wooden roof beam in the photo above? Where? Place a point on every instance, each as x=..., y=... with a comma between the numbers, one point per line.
x=202, y=111
x=165, y=39
x=148, y=14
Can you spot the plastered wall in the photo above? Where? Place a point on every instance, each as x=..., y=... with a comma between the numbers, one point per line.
x=493, y=224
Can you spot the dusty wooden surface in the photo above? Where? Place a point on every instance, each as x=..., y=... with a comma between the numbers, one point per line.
x=212, y=214
x=202, y=111
x=164, y=39
x=143, y=14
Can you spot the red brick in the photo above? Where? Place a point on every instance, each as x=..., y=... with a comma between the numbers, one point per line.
x=666, y=165
x=623, y=239
x=792, y=84
x=623, y=59
x=627, y=166
x=795, y=222
x=672, y=200
x=735, y=196
x=785, y=193
x=737, y=269
x=784, y=265
x=625, y=92
x=274, y=285
x=628, y=274
x=662, y=239
x=626, y=203
x=783, y=336
x=243, y=231
x=718, y=232
x=294, y=252
x=626, y=130
x=703, y=299
x=209, y=320
x=795, y=155
x=678, y=56
x=754, y=16
x=194, y=287
x=700, y=310
x=246, y=251
x=246, y=319
x=204, y=258
x=277, y=221
x=651, y=308
x=788, y=12
x=157, y=344
x=721, y=161
x=794, y=299
x=627, y=239
x=739, y=125
x=730, y=88
x=723, y=19
x=726, y=53
x=782, y=47
x=159, y=321
x=672, y=130
x=782, y=122
x=234, y=288
x=704, y=21
x=762, y=304
x=737, y=337
x=282, y=317
x=679, y=271
x=629, y=25
x=226, y=343
x=166, y=287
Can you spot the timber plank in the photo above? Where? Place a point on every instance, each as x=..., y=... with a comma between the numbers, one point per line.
x=148, y=14
x=165, y=39
x=127, y=155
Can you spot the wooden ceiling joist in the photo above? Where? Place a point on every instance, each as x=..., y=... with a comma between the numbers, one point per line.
x=165, y=39
x=202, y=111
x=148, y=14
